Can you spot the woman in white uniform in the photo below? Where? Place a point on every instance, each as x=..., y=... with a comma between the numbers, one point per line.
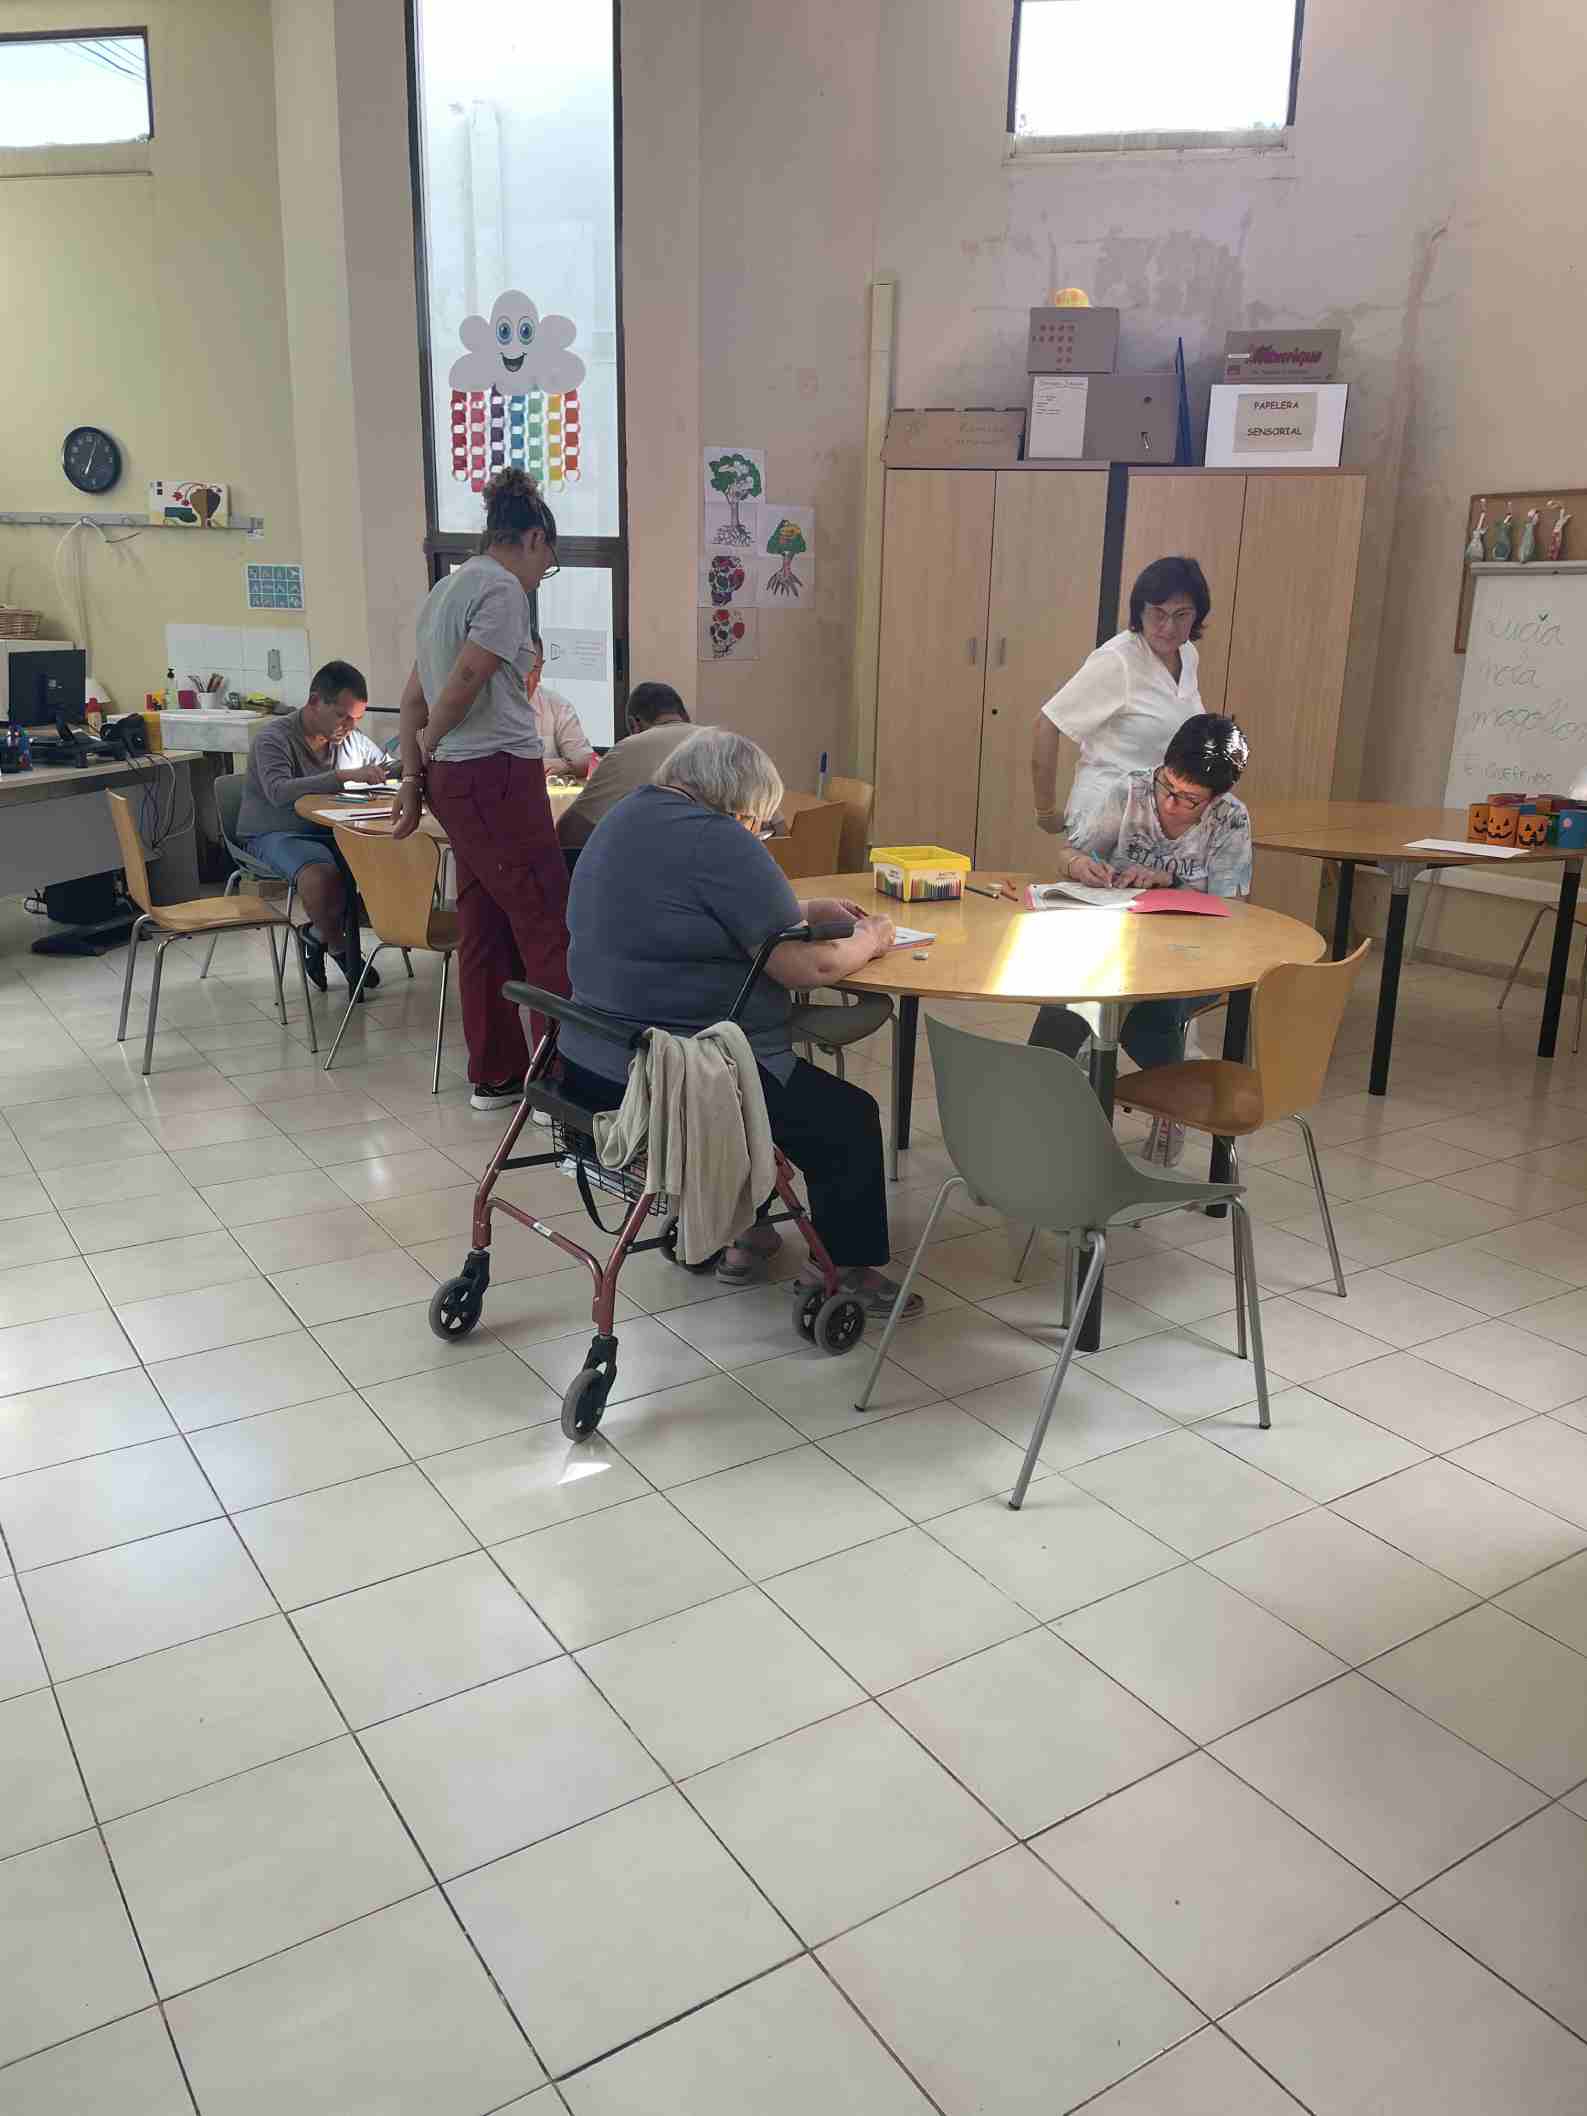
x=1127, y=699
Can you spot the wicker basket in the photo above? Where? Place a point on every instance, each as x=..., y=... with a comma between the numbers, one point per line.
x=19, y=624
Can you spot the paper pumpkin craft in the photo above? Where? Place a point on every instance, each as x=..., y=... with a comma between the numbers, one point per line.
x=515, y=395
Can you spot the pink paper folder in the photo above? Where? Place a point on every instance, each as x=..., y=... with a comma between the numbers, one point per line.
x=1181, y=900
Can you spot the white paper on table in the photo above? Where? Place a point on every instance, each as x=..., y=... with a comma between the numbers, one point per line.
x=1053, y=896
x=910, y=937
x=1469, y=850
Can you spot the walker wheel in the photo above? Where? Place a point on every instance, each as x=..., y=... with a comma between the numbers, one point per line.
x=839, y=1324
x=583, y=1403
x=455, y=1307
x=807, y=1306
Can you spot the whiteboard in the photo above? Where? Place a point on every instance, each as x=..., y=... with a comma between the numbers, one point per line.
x=1522, y=724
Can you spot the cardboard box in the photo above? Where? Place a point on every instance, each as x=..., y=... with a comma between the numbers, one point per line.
x=1072, y=342
x=1276, y=426
x=1272, y=356
x=1103, y=418
x=977, y=439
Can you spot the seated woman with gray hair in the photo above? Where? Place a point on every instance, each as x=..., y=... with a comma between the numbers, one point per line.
x=671, y=898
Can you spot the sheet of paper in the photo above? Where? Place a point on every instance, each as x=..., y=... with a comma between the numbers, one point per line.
x=1053, y=896
x=910, y=937
x=1465, y=847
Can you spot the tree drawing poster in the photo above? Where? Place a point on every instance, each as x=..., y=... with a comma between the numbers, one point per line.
x=787, y=559
x=730, y=634
x=735, y=479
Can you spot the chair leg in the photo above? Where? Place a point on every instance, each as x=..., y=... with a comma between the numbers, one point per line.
x=1088, y=1293
x=1515, y=967
x=408, y=959
x=278, y=968
x=1025, y=1256
x=889, y=1126
x=352, y=1000
x=233, y=883
x=154, y=1004
x=140, y=927
x=440, y=1022
x=837, y=1055
x=1581, y=1001
x=1242, y=1349
x=303, y=976
x=906, y=1288
x=1071, y=1283
x=1253, y=1301
x=1323, y=1207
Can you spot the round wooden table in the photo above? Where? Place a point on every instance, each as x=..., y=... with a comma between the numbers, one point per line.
x=330, y=809
x=988, y=948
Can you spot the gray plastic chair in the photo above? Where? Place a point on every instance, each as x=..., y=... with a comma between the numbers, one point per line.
x=1028, y=1137
x=228, y=804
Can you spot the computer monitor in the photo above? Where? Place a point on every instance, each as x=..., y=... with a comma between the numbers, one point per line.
x=46, y=684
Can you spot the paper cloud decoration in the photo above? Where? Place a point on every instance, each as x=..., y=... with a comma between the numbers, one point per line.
x=515, y=350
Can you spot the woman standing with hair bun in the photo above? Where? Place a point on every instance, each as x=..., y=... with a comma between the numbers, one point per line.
x=470, y=743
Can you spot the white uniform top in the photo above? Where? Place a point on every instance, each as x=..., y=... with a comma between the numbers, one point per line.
x=1123, y=708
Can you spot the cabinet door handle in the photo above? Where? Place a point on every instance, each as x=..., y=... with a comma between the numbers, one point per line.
x=1002, y=650
x=975, y=653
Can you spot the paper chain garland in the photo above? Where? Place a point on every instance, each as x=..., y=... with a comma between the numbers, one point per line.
x=530, y=432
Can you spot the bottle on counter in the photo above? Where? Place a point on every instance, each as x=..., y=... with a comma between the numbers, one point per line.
x=171, y=700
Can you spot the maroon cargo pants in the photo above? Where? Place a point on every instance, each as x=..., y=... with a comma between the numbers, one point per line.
x=512, y=899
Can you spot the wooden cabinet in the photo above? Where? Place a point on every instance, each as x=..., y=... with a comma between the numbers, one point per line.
x=936, y=573
x=989, y=594
x=1046, y=576
x=1287, y=648
x=991, y=584
x=1189, y=514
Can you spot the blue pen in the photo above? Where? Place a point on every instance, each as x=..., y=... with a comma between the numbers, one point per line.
x=821, y=777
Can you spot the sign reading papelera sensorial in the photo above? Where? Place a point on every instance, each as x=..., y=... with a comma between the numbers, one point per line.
x=1269, y=420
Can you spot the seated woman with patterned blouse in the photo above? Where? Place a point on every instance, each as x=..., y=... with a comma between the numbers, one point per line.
x=1178, y=827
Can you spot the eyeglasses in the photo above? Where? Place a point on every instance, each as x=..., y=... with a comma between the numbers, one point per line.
x=1192, y=803
x=1169, y=618
x=550, y=573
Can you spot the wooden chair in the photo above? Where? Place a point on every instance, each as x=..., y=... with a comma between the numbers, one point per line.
x=397, y=879
x=190, y=921
x=1295, y=1017
x=811, y=846
x=856, y=798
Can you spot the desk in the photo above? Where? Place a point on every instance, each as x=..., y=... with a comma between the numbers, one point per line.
x=45, y=840
x=328, y=809
x=1376, y=834
x=989, y=949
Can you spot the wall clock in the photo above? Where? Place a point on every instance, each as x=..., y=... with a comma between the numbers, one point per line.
x=91, y=459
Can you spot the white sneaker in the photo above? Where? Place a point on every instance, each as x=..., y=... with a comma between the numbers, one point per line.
x=1165, y=1143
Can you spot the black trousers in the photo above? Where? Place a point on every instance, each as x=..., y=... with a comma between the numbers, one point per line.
x=832, y=1133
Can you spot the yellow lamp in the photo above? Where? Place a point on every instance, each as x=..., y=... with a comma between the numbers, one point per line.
x=1071, y=298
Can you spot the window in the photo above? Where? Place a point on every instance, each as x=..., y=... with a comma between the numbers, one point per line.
x=90, y=89
x=1153, y=72
x=516, y=163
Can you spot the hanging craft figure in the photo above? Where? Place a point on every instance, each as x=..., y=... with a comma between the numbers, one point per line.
x=1476, y=548
x=1556, y=535
x=1504, y=538
x=737, y=479
x=1528, y=550
x=515, y=395
x=786, y=542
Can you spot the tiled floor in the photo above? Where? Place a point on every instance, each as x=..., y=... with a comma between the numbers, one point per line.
x=364, y=1748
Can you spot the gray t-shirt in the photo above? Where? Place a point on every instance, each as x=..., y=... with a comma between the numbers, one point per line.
x=668, y=905
x=283, y=766
x=481, y=601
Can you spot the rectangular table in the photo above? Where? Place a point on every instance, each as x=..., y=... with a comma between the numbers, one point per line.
x=1379, y=834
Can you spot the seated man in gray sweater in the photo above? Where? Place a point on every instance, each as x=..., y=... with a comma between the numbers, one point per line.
x=316, y=750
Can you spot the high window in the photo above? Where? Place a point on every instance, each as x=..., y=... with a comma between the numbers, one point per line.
x=87, y=89
x=1152, y=72
x=516, y=165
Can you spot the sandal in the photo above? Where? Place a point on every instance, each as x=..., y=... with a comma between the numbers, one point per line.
x=745, y=1262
